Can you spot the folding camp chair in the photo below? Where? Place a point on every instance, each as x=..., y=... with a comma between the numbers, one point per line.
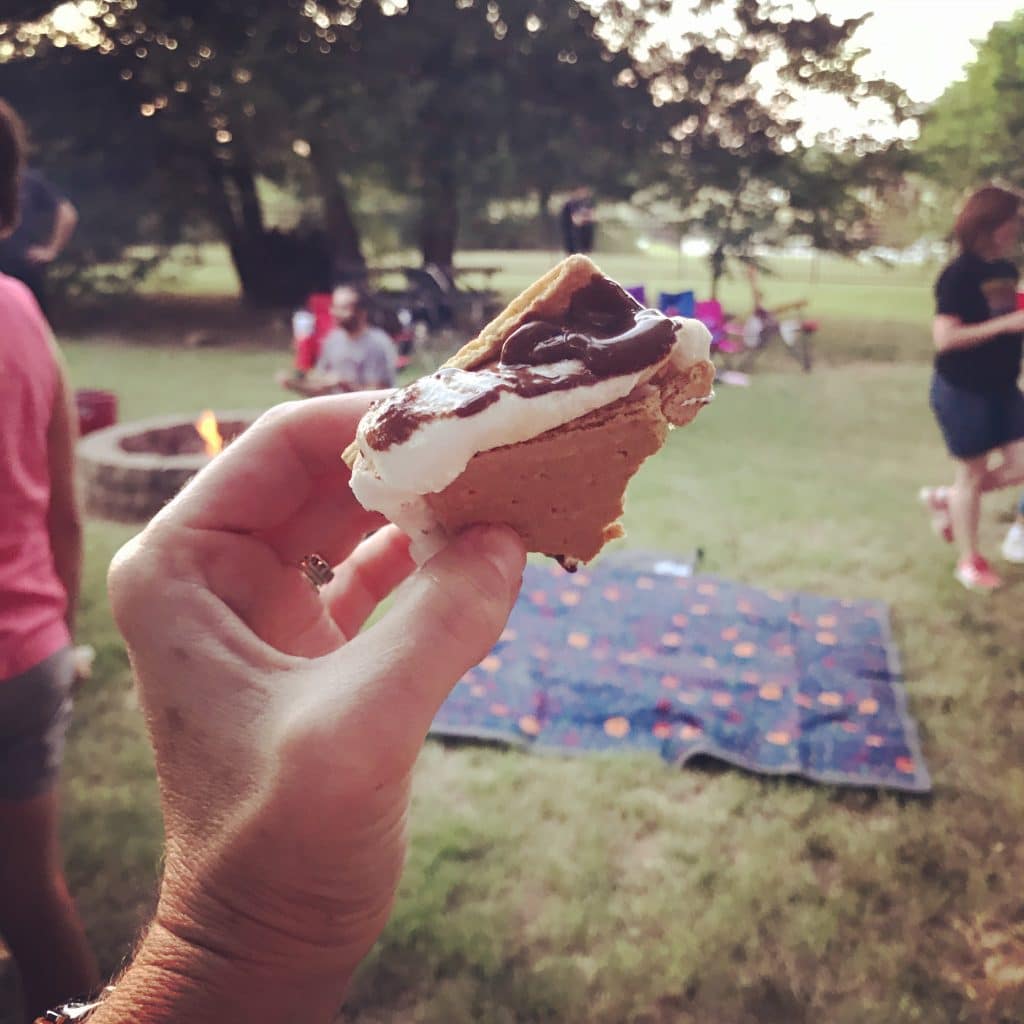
x=711, y=314
x=639, y=292
x=677, y=303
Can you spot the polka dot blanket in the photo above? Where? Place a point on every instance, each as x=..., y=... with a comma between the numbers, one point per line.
x=637, y=654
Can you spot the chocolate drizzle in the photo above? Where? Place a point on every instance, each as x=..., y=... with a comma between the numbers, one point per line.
x=396, y=423
x=605, y=330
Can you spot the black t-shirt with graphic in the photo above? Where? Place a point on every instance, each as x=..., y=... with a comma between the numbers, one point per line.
x=976, y=290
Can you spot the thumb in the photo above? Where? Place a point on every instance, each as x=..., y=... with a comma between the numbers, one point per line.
x=443, y=621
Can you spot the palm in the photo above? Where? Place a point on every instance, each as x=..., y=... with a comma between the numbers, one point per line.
x=248, y=529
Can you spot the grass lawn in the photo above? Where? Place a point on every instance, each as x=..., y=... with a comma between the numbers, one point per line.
x=614, y=889
x=900, y=293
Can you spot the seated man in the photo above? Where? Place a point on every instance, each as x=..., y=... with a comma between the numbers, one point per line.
x=354, y=357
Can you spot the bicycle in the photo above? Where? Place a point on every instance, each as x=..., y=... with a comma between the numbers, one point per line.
x=742, y=341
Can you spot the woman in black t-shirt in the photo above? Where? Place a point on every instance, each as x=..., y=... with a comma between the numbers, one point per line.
x=978, y=335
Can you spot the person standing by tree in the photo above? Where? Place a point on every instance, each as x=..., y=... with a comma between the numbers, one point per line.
x=577, y=221
x=978, y=334
x=46, y=223
x=40, y=567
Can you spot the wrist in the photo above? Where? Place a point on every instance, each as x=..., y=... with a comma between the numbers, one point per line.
x=172, y=979
x=251, y=928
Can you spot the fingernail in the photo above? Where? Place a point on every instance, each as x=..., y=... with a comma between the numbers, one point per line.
x=501, y=546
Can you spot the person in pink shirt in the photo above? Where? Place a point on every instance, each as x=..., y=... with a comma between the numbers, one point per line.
x=40, y=566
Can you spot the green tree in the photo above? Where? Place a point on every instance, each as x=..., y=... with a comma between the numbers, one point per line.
x=450, y=104
x=914, y=209
x=737, y=162
x=975, y=130
x=539, y=100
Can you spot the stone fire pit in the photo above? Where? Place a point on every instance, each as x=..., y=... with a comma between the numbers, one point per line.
x=130, y=471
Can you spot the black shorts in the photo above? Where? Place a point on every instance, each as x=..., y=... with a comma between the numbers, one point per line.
x=35, y=709
x=976, y=422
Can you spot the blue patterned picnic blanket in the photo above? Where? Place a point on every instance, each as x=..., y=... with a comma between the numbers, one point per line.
x=636, y=654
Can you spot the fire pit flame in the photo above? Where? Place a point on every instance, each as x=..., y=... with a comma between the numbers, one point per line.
x=207, y=429
x=131, y=470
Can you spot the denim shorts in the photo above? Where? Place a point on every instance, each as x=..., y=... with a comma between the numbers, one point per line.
x=976, y=422
x=35, y=710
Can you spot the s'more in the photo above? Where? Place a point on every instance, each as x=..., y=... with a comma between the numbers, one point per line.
x=539, y=422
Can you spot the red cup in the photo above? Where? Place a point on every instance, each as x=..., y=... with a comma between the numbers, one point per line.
x=307, y=352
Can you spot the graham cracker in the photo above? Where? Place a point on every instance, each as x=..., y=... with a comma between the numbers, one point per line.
x=563, y=491
x=547, y=298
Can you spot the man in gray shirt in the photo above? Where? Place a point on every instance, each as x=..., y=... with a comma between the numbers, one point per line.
x=354, y=357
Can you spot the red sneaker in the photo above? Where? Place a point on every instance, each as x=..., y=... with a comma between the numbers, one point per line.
x=977, y=574
x=936, y=502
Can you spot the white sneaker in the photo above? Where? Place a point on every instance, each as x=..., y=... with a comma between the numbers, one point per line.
x=1013, y=545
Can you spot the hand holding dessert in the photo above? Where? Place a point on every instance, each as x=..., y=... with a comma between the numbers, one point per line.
x=284, y=732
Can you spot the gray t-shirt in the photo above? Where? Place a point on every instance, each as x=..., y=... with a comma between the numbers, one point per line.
x=362, y=360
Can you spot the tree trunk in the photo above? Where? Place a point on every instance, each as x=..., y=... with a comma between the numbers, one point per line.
x=547, y=222
x=717, y=261
x=274, y=268
x=255, y=268
x=343, y=239
x=249, y=206
x=224, y=213
x=718, y=258
x=439, y=219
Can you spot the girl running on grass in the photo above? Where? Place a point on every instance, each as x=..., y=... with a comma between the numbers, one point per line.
x=978, y=332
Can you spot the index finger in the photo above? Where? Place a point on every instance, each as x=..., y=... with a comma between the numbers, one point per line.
x=288, y=458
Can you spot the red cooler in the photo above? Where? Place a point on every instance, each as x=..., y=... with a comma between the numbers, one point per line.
x=96, y=410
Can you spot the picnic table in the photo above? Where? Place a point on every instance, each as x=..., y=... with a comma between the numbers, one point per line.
x=376, y=272
x=480, y=303
x=486, y=272
x=436, y=296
